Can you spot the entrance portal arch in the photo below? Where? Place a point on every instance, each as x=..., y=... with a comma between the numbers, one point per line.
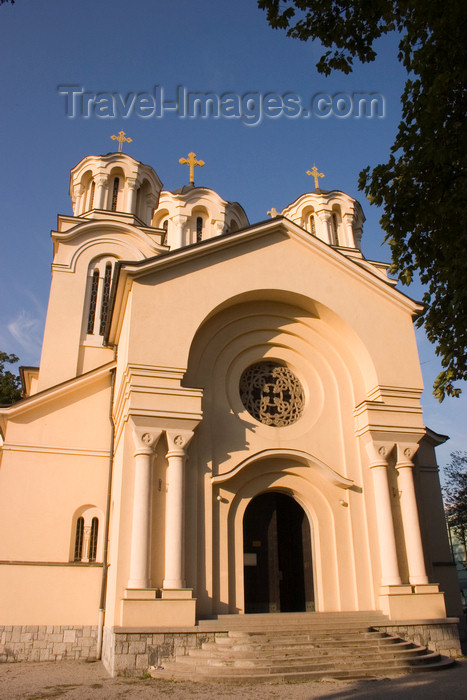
x=277, y=555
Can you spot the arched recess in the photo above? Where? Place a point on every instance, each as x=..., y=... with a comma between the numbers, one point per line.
x=199, y=224
x=243, y=314
x=305, y=487
x=88, y=192
x=115, y=194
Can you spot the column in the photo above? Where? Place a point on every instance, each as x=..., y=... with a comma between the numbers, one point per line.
x=410, y=520
x=140, y=561
x=131, y=195
x=151, y=203
x=179, y=238
x=348, y=228
x=325, y=218
x=79, y=191
x=101, y=190
x=387, y=541
x=175, y=510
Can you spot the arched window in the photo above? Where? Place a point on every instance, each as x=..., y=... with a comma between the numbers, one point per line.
x=79, y=537
x=199, y=229
x=312, y=225
x=91, y=196
x=87, y=543
x=98, y=297
x=334, y=229
x=115, y=194
x=93, y=539
x=93, y=301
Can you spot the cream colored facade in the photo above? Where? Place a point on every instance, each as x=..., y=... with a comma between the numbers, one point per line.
x=159, y=303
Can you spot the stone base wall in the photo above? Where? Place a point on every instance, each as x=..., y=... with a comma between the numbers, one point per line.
x=130, y=653
x=47, y=642
x=441, y=636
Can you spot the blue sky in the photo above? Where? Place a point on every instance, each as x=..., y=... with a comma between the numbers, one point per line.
x=115, y=46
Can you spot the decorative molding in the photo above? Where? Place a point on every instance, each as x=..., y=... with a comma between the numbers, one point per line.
x=52, y=449
x=299, y=456
x=73, y=564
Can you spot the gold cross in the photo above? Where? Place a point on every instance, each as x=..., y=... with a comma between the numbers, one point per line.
x=316, y=175
x=191, y=161
x=272, y=213
x=121, y=139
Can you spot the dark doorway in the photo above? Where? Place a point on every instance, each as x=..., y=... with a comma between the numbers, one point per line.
x=278, y=571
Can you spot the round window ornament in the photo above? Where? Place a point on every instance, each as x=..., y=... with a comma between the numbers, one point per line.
x=272, y=394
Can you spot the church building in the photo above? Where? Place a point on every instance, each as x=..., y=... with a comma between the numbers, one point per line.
x=226, y=420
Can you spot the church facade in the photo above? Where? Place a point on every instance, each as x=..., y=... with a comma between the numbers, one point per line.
x=226, y=419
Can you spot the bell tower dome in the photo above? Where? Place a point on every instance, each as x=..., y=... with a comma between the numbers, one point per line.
x=116, y=183
x=332, y=216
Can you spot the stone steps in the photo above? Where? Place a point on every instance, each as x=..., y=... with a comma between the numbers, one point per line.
x=287, y=651
x=301, y=646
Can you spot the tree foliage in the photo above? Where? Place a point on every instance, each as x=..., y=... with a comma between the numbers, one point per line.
x=423, y=185
x=9, y=383
x=455, y=493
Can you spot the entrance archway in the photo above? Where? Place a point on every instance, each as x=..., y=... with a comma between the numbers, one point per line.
x=278, y=570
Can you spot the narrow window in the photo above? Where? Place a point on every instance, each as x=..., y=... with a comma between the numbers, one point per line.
x=335, y=239
x=79, y=539
x=165, y=226
x=91, y=198
x=115, y=194
x=105, y=297
x=93, y=539
x=313, y=225
x=93, y=301
x=199, y=229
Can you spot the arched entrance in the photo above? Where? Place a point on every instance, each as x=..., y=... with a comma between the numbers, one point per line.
x=278, y=571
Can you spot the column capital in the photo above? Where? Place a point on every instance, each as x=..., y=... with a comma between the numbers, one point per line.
x=324, y=214
x=378, y=452
x=79, y=189
x=405, y=454
x=145, y=436
x=101, y=180
x=177, y=442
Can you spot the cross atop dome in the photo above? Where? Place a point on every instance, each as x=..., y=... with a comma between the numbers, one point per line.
x=121, y=140
x=192, y=162
x=314, y=173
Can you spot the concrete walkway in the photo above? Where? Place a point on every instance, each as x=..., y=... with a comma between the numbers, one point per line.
x=75, y=680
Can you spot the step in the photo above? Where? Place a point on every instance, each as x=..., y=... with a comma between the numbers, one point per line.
x=266, y=641
x=356, y=673
x=335, y=658
x=302, y=646
x=289, y=620
x=210, y=649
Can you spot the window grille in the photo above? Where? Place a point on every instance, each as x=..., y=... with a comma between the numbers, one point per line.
x=79, y=537
x=199, y=229
x=115, y=194
x=93, y=301
x=93, y=539
x=335, y=239
x=165, y=226
x=313, y=225
x=272, y=394
x=105, y=297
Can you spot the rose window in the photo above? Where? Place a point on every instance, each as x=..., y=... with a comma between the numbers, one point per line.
x=272, y=394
